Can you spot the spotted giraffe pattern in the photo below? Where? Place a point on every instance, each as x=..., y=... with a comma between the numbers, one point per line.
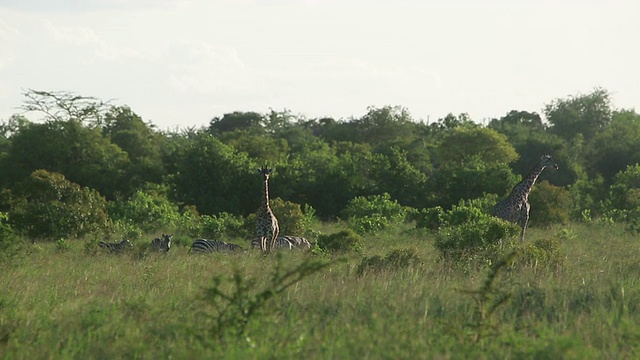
x=515, y=208
x=267, y=228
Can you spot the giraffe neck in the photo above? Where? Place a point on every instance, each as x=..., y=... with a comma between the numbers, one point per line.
x=265, y=197
x=524, y=187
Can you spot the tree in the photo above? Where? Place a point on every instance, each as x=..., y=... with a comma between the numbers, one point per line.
x=582, y=114
x=214, y=177
x=65, y=106
x=465, y=143
x=616, y=147
x=81, y=154
x=236, y=121
x=47, y=206
x=142, y=144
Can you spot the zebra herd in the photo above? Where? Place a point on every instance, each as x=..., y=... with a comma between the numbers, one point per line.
x=163, y=244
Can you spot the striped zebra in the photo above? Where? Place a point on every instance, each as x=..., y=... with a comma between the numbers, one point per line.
x=286, y=242
x=115, y=247
x=207, y=246
x=162, y=243
x=298, y=242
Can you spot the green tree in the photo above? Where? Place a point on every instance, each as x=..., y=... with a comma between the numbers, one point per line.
x=142, y=144
x=464, y=143
x=582, y=114
x=616, y=147
x=47, y=206
x=81, y=154
x=213, y=176
x=246, y=121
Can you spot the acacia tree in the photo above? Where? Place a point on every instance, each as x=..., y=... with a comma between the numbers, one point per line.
x=64, y=106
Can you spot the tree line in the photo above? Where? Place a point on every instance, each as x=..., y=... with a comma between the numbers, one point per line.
x=88, y=163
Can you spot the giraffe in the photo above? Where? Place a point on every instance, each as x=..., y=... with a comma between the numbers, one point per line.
x=267, y=228
x=515, y=208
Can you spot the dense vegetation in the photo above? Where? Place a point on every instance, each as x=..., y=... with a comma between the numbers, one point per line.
x=407, y=260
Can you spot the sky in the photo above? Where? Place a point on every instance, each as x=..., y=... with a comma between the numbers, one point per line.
x=180, y=63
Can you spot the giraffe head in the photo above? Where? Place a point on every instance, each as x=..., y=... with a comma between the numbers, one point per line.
x=546, y=160
x=265, y=172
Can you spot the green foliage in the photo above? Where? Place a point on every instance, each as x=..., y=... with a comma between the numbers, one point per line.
x=62, y=245
x=220, y=227
x=463, y=144
x=48, y=206
x=83, y=155
x=10, y=243
x=465, y=211
x=469, y=233
x=341, y=242
x=228, y=311
x=582, y=114
x=542, y=253
x=148, y=210
x=469, y=180
x=488, y=298
x=393, y=261
x=374, y=213
x=549, y=205
x=214, y=177
x=291, y=219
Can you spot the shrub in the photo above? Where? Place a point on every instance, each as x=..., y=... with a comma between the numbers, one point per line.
x=543, y=253
x=291, y=219
x=149, y=210
x=374, y=213
x=395, y=260
x=343, y=241
x=474, y=238
x=221, y=227
x=10, y=243
x=549, y=205
x=48, y=206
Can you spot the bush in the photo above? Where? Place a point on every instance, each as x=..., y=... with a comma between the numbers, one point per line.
x=549, y=205
x=10, y=243
x=394, y=260
x=48, y=206
x=474, y=238
x=343, y=241
x=291, y=219
x=374, y=213
x=148, y=210
x=543, y=253
x=221, y=227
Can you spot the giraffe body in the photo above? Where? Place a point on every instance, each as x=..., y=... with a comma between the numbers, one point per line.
x=267, y=228
x=515, y=208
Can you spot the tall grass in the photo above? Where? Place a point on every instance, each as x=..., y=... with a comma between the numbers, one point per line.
x=66, y=303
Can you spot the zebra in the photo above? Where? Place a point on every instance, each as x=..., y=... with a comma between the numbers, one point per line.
x=282, y=242
x=298, y=242
x=115, y=247
x=162, y=244
x=206, y=246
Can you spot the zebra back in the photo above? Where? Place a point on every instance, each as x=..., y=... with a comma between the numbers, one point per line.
x=281, y=243
x=162, y=244
x=298, y=242
x=115, y=247
x=207, y=246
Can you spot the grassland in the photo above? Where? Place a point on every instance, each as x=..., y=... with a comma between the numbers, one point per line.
x=70, y=304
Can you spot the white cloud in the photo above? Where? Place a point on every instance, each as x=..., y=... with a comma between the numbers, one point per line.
x=93, y=47
x=8, y=37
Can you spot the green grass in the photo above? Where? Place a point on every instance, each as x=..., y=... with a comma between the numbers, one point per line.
x=71, y=304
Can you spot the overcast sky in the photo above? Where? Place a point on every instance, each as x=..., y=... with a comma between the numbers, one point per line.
x=180, y=63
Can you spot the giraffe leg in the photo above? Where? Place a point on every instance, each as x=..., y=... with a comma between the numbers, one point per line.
x=263, y=245
x=524, y=219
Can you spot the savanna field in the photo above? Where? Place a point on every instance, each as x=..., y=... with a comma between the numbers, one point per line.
x=68, y=300
x=415, y=249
